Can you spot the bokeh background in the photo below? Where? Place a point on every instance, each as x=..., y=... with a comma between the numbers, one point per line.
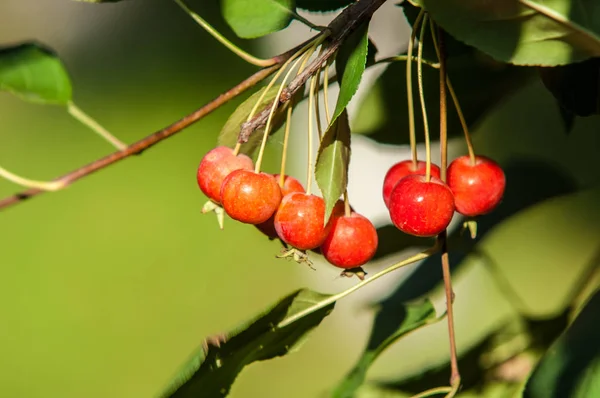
x=108, y=286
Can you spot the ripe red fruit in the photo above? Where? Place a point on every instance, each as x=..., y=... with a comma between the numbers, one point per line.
x=299, y=221
x=290, y=184
x=351, y=242
x=421, y=208
x=477, y=188
x=401, y=170
x=250, y=197
x=215, y=166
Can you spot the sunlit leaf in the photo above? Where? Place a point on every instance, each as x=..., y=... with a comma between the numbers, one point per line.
x=213, y=374
x=523, y=32
x=255, y=18
x=322, y=5
x=331, y=170
x=230, y=131
x=571, y=367
x=34, y=73
x=415, y=316
x=350, y=66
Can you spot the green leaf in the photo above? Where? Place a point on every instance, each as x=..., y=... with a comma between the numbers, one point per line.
x=415, y=316
x=571, y=367
x=212, y=375
x=34, y=73
x=255, y=18
x=575, y=86
x=523, y=32
x=331, y=170
x=322, y=5
x=350, y=66
x=231, y=129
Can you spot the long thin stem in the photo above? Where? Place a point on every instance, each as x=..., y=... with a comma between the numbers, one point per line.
x=95, y=126
x=404, y=58
x=459, y=111
x=347, y=208
x=422, y=98
x=286, y=138
x=214, y=33
x=433, y=391
x=309, y=166
x=332, y=299
x=317, y=77
x=443, y=105
x=270, y=119
x=298, y=17
x=25, y=182
x=409, y=91
x=326, y=93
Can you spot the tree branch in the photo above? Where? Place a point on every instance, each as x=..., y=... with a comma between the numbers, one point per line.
x=339, y=29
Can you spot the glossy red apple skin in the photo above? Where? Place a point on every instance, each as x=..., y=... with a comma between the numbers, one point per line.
x=401, y=170
x=250, y=197
x=215, y=166
x=290, y=184
x=351, y=242
x=421, y=208
x=299, y=221
x=477, y=188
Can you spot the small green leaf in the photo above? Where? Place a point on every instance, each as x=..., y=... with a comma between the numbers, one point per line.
x=331, y=170
x=255, y=18
x=415, y=316
x=322, y=5
x=230, y=131
x=575, y=86
x=571, y=366
x=212, y=375
x=350, y=66
x=523, y=32
x=34, y=73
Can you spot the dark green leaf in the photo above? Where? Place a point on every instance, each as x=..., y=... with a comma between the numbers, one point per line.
x=575, y=86
x=567, y=117
x=523, y=32
x=34, y=73
x=322, y=5
x=212, y=375
x=255, y=18
x=230, y=131
x=350, y=66
x=331, y=170
x=415, y=316
x=571, y=367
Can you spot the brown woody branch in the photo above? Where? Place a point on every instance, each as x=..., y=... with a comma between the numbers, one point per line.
x=339, y=29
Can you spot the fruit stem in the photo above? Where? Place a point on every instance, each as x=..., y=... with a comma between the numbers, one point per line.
x=443, y=103
x=286, y=137
x=347, y=209
x=299, y=17
x=270, y=118
x=433, y=391
x=455, y=374
x=232, y=47
x=95, y=126
x=422, y=98
x=25, y=182
x=237, y=148
x=332, y=299
x=311, y=98
x=405, y=58
x=409, y=92
x=326, y=93
x=317, y=77
x=457, y=106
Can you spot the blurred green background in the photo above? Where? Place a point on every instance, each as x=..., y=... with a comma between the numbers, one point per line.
x=108, y=286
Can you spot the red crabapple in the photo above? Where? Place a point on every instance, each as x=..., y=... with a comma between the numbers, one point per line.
x=290, y=184
x=401, y=170
x=351, y=242
x=215, y=166
x=299, y=221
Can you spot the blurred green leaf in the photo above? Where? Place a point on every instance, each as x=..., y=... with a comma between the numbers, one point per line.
x=350, y=65
x=415, y=316
x=231, y=129
x=571, y=366
x=99, y=1
x=212, y=375
x=255, y=18
x=322, y=5
x=331, y=170
x=523, y=32
x=34, y=73
x=575, y=86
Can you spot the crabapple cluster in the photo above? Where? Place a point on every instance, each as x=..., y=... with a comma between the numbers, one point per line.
x=281, y=208
x=424, y=207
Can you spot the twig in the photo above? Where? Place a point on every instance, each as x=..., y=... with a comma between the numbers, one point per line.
x=338, y=30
